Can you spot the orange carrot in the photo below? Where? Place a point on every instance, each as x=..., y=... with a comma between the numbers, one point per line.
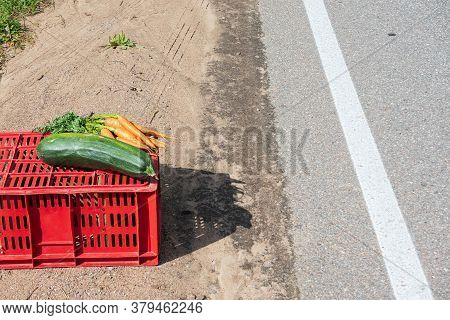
x=111, y=122
x=124, y=134
x=150, y=144
x=106, y=133
x=151, y=131
x=132, y=129
x=127, y=135
x=158, y=143
x=134, y=143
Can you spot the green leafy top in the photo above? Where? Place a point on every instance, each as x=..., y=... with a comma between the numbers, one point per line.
x=69, y=122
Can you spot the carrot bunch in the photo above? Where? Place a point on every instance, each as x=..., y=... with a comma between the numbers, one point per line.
x=113, y=126
x=119, y=127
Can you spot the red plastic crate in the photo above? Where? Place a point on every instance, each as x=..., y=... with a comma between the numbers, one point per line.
x=63, y=217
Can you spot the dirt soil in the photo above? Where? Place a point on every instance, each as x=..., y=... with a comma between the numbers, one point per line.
x=198, y=73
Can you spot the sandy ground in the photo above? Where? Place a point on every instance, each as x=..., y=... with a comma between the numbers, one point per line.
x=197, y=73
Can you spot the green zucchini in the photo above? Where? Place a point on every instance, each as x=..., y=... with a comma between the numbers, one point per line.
x=93, y=151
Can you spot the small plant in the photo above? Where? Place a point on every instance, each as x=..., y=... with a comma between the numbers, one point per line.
x=10, y=31
x=121, y=40
x=11, y=11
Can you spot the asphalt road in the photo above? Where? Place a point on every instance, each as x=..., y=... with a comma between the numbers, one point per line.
x=396, y=54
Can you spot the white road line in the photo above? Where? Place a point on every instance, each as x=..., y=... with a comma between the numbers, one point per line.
x=400, y=257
